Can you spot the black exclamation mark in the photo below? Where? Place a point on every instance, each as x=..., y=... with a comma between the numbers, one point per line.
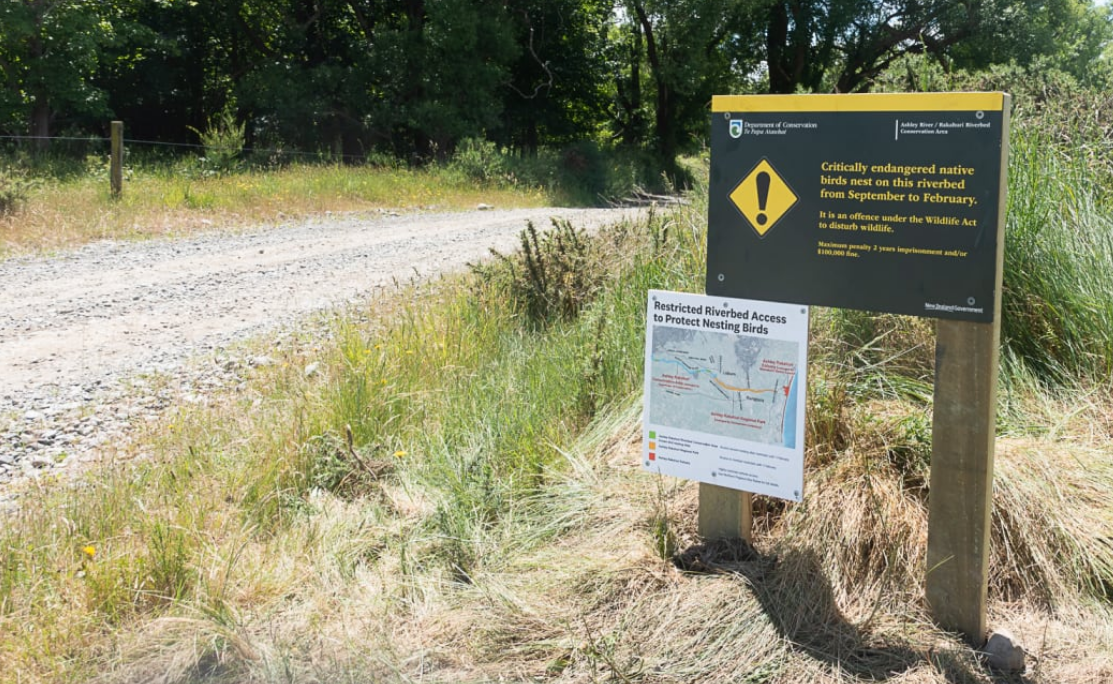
x=762, y=196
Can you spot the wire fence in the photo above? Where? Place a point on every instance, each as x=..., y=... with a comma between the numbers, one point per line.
x=194, y=146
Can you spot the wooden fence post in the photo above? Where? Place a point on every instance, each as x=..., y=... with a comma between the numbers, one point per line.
x=116, y=172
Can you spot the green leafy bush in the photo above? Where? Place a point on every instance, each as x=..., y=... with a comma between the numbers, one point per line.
x=224, y=140
x=480, y=160
x=552, y=276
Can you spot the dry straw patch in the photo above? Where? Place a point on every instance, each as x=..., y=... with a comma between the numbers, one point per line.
x=600, y=605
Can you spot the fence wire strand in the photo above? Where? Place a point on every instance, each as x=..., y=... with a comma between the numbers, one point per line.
x=196, y=146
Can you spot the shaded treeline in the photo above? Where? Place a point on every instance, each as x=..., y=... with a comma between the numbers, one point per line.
x=412, y=78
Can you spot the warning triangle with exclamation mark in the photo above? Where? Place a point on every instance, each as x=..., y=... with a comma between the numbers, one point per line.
x=763, y=197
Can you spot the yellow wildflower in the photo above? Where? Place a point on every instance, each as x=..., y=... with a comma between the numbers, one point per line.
x=89, y=551
x=399, y=453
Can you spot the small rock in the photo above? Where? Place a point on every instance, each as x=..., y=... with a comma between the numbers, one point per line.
x=312, y=369
x=1003, y=653
x=484, y=207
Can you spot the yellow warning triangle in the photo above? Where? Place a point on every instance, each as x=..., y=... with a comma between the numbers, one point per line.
x=763, y=197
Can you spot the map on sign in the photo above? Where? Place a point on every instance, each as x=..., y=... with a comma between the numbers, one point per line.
x=724, y=392
x=724, y=384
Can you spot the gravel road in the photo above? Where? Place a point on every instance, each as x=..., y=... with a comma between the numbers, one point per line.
x=80, y=332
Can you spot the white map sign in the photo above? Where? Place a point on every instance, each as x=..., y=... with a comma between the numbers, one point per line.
x=724, y=392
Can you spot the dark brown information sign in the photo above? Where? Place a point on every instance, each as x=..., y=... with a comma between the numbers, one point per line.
x=883, y=202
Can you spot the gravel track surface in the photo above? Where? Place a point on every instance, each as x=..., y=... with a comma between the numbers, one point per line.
x=81, y=331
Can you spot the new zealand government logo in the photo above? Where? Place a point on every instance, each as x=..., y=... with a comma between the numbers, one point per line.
x=763, y=197
x=736, y=128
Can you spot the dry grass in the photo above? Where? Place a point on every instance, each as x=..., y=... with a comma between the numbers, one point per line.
x=70, y=213
x=575, y=591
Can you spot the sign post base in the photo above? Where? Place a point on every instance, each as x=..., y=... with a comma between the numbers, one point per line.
x=725, y=513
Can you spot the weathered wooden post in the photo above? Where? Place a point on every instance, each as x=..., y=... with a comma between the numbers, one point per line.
x=961, y=494
x=725, y=513
x=116, y=171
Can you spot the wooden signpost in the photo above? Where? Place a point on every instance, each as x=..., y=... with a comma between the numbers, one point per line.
x=890, y=203
x=961, y=484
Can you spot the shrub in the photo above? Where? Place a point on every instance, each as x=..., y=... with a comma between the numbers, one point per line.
x=479, y=160
x=224, y=141
x=14, y=188
x=552, y=277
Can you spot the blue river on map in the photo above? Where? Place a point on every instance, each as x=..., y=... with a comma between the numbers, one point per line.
x=790, y=416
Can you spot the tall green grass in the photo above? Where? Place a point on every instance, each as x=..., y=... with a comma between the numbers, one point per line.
x=1057, y=312
x=1057, y=318
x=482, y=389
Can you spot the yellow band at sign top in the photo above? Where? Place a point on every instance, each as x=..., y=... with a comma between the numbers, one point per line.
x=860, y=102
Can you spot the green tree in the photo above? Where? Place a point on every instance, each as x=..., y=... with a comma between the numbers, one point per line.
x=555, y=91
x=684, y=50
x=49, y=53
x=1067, y=35
x=308, y=79
x=841, y=45
x=399, y=74
x=467, y=51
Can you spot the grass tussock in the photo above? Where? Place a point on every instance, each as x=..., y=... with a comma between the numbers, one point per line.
x=446, y=487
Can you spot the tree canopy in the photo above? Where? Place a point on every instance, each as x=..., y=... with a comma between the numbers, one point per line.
x=414, y=78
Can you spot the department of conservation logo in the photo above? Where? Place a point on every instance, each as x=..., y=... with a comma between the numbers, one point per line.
x=736, y=128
